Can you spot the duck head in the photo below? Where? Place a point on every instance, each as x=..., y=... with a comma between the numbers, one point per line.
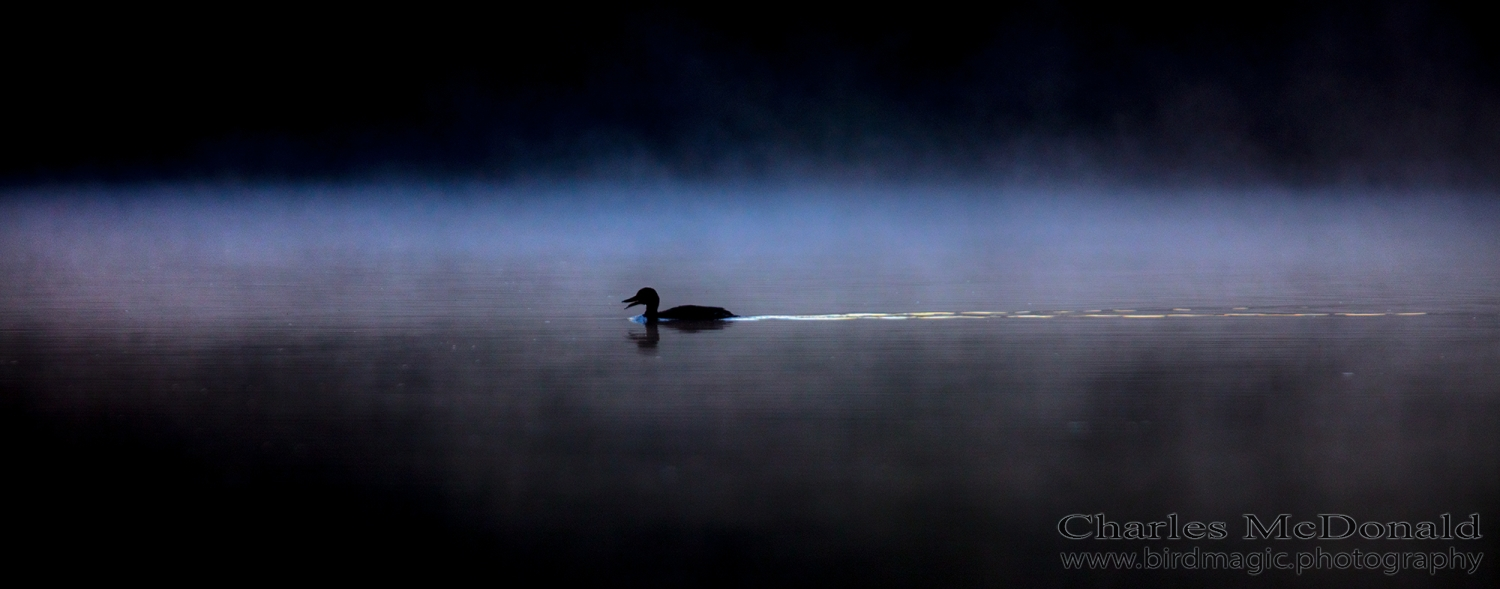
x=646, y=296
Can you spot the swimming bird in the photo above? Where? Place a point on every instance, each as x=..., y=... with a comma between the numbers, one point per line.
x=647, y=296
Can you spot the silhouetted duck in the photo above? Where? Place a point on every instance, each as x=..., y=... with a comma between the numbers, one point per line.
x=647, y=296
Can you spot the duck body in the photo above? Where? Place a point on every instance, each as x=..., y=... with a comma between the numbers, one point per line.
x=648, y=297
x=695, y=313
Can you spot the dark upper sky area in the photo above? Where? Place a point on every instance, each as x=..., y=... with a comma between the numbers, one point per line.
x=1392, y=93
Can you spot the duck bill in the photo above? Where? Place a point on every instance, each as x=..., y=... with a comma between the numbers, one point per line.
x=633, y=302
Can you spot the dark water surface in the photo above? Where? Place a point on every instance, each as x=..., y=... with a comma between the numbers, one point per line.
x=369, y=384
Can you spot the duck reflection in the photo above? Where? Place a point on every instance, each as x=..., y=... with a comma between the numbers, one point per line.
x=648, y=340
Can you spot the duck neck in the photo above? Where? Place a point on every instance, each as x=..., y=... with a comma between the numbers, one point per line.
x=651, y=312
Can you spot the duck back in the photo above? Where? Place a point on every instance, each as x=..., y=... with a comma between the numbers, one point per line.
x=695, y=313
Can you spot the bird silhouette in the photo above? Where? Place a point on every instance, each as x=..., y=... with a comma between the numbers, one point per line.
x=647, y=296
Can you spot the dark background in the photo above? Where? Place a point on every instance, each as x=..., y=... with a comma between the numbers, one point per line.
x=1361, y=93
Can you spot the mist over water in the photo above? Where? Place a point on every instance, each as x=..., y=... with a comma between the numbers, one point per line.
x=381, y=254
x=442, y=374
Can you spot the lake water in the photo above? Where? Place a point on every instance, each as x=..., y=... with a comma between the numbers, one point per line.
x=440, y=379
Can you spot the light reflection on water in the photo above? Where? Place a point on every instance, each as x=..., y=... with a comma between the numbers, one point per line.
x=489, y=378
x=1038, y=315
